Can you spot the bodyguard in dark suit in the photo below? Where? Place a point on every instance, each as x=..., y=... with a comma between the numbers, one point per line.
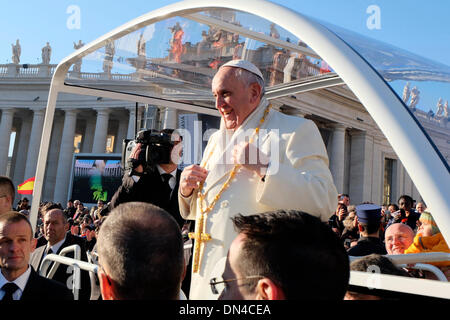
x=151, y=188
x=18, y=280
x=40, y=288
x=55, y=231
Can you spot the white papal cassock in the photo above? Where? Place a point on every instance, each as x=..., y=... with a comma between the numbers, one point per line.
x=298, y=177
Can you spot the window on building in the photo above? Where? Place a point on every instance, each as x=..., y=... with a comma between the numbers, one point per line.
x=388, y=180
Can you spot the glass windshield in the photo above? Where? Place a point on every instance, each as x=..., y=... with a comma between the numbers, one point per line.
x=176, y=59
x=422, y=84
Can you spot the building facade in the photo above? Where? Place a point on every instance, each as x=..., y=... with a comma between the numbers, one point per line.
x=362, y=162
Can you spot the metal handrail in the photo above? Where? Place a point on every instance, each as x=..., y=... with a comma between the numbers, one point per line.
x=44, y=266
x=427, y=267
x=83, y=265
x=432, y=288
x=48, y=259
x=414, y=257
x=77, y=265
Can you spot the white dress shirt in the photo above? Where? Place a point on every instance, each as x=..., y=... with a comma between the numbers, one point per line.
x=21, y=282
x=54, y=247
x=172, y=181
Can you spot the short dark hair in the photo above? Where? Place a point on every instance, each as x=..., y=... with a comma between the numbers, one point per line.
x=7, y=186
x=15, y=217
x=370, y=228
x=297, y=251
x=393, y=205
x=142, y=247
x=50, y=206
x=407, y=198
x=87, y=217
x=385, y=265
x=343, y=195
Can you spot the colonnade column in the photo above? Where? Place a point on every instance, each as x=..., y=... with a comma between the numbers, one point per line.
x=21, y=159
x=361, y=162
x=336, y=153
x=122, y=131
x=35, y=143
x=65, y=156
x=5, y=137
x=131, y=123
x=170, y=119
x=101, y=130
x=88, y=139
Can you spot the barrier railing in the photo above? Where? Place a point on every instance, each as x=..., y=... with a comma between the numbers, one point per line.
x=414, y=257
x=430, y=288
x=75, y=262
x=427, y=267
x=433, y=288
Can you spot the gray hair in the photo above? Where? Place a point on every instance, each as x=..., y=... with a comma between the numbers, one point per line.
x=248, y=78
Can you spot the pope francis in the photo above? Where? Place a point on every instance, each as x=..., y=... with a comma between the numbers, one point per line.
x=260, y=160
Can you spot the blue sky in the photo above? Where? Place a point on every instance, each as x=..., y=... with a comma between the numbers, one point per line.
x=418, y=26
x=415, y=25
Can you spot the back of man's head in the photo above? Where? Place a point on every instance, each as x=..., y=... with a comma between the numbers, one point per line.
x=7, y=193
x=297, y=251
x=141, y=250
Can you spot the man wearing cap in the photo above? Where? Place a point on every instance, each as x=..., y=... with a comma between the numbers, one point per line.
x=260, y=160
x=369, y=223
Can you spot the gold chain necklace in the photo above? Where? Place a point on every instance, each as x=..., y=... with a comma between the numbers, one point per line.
x=200, y=236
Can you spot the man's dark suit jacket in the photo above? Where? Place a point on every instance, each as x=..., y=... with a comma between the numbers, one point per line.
x=42, y=289
x=62, y=274
x=150, y=188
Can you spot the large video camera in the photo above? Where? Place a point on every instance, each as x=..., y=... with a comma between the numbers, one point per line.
x=156, y=147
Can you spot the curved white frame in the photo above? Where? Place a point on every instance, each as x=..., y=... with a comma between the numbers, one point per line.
x=429, y=174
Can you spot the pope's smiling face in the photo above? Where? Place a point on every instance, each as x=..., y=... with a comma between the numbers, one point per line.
x=235, y=99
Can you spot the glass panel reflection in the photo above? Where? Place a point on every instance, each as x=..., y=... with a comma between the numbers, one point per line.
x=422, y=84
x=180, y=56
x=176, y=58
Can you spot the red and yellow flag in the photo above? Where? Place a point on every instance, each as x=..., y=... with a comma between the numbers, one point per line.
x=26, y=187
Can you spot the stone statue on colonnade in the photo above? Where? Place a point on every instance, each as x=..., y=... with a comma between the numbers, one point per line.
x=46, y=54
x=16, y=51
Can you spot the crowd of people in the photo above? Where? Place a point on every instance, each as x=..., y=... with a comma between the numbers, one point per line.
x=397, y=228
x=260, y=226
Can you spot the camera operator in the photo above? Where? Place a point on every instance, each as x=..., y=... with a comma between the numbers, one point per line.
x=156, y=184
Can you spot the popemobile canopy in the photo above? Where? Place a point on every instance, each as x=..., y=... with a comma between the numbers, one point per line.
x=171, y=55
